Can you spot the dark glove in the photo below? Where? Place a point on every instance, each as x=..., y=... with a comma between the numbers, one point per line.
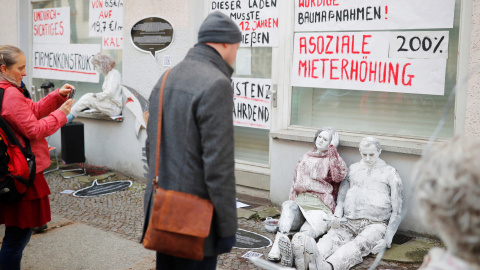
x=224, y=245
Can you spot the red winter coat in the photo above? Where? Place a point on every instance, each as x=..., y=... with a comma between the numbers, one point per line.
x=33, y=121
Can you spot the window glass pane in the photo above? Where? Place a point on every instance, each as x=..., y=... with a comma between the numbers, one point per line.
x=252, y=144
x=79, y=35
x=397, y=114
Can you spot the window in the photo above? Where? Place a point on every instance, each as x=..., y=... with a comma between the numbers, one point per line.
x=386, y=113
x=251, y=144
x=79, y=34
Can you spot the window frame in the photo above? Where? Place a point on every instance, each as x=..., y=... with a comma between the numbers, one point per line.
x=282, y=129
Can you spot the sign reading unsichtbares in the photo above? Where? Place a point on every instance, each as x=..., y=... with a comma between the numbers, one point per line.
x=258, y=20
x=65, y=62
x=252, y=101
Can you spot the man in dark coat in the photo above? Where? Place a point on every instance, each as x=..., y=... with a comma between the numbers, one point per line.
x=197, y=135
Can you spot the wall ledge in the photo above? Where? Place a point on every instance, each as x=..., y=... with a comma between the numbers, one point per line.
x=390, y=144
x=99, y=116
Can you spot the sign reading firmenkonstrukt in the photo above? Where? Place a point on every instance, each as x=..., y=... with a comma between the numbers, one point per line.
x=65, y=62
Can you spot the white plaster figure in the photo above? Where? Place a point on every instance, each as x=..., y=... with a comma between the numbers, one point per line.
x=448, y=199
x=369, y=203
x=313, y=192
x=109, y=101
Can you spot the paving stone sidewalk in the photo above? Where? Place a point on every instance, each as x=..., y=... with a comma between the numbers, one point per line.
x=122, y=213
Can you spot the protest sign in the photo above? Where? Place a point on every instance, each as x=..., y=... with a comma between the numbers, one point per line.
x=65, y=62
x=251, y=106
x=344, y=15
x=363, y=61
x=257, y=19
x=51, y=25
x=106, y=20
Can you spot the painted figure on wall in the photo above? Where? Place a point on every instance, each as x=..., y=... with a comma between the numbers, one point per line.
x=313, y=193
x=367, y=214
x=448, y=192
x=109, y=101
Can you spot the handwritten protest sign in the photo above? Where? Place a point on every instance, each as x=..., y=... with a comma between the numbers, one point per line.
x=419, y=44
x=258, y=20
x=65, y=62
x=51, y=25
x=251, y=102
x=341, y=15
x=361, y=61
x=106, y=21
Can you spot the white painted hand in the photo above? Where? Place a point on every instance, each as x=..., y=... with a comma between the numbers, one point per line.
x=335, y=139
x=381, y=245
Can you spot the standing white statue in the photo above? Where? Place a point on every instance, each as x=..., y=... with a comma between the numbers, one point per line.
x=313, y=193
x=109, y=101
x=448, y=195
x=367, y=214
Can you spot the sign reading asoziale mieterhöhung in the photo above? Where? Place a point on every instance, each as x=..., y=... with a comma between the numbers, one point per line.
x=389, y=61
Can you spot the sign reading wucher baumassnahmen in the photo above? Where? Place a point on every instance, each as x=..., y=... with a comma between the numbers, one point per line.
x=405, y=62
x=258, y=20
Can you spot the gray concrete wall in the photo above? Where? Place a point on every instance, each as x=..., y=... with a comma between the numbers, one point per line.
x=472, y=118
x=115, y=144
x=8, y=23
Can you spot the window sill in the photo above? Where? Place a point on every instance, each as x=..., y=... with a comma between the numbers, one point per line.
x=390, y=144
x=100, y=116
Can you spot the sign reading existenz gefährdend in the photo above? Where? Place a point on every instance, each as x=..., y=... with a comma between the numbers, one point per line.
x=252, y=101
x=258, y=20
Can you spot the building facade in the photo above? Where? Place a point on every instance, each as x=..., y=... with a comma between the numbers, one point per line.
x=299, y=68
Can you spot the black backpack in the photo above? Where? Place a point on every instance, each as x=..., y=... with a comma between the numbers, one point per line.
x=17, y=164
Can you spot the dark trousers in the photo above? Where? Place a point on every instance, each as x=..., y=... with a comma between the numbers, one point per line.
x=167, y=262
x=14, y=241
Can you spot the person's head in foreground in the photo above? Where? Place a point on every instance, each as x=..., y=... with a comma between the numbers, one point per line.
x=448, y=196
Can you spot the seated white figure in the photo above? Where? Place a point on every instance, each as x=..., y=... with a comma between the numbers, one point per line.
x=448, y=196
x=369, y=205
x=109, y=101
x=313, y=192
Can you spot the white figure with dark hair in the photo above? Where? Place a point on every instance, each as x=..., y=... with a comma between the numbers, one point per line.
x=448, y=196
x=369, y=205
x=109, y=101
x=313, y=192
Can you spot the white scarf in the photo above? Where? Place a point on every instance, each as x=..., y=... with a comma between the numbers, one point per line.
x=5, y=77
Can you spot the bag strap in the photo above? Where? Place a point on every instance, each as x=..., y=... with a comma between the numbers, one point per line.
x=12, y=138
x=159, y=129
x=27, y=151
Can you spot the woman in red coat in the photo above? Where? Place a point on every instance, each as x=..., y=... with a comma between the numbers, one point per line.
x=32, y=121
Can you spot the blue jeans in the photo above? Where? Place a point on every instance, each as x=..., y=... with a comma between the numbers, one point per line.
x=14, y=241
x=167, y=262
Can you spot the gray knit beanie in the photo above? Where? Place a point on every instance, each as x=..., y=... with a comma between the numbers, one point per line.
x=219, y=28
